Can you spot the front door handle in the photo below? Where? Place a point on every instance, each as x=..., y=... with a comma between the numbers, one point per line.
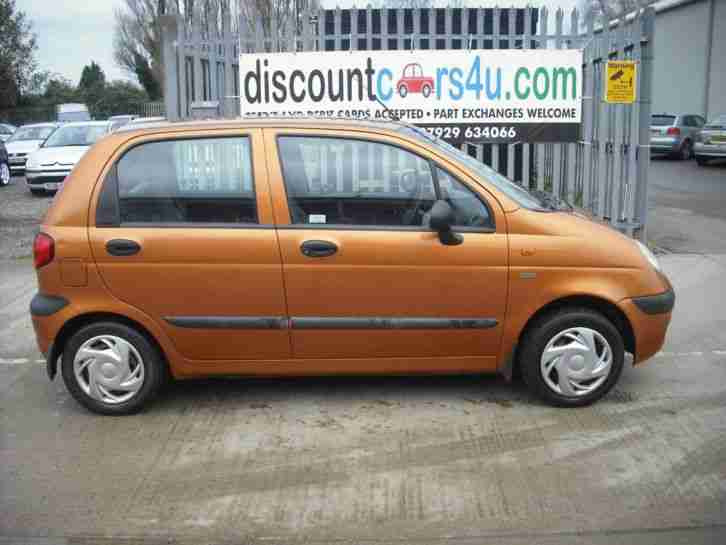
x=122, y=247
x=318, y=248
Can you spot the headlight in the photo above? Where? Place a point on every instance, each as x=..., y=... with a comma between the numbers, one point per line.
x=32, y=162
x=650, y=256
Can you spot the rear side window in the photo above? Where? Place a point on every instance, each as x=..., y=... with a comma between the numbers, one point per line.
x=662, y=120
x=187, y=181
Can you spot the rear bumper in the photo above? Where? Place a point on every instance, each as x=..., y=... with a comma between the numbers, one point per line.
x=46, y=313
x=649, y=317
x=665, y=144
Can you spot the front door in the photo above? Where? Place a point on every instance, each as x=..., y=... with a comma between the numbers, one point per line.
x=192, y=244
x=364, y=275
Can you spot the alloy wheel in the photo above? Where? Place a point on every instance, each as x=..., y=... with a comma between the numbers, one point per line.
x=4, y=174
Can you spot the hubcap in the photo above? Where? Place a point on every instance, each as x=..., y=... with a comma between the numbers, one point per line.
x=576, y=361
x=109, y=369
x=4, y=174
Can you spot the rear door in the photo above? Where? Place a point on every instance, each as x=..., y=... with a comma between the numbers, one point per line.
x=183, y=232
x=364, y=276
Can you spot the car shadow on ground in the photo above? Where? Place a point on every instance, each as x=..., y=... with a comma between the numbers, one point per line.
x=390, y=391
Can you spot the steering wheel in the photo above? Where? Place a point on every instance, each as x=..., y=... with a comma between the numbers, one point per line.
x=409, y=181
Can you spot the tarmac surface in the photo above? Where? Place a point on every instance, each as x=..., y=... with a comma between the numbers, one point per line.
x=464, y=459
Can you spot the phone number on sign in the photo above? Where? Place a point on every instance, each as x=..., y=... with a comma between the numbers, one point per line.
x=474, y=132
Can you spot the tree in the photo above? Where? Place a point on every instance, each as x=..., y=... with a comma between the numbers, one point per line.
x=137, y=42
x=17, y=52
x=92, y=77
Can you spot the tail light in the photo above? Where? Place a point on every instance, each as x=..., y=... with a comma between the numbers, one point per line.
x=673, y=131
x=43, y=250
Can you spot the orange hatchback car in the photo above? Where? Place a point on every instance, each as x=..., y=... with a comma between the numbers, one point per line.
x=311, y=247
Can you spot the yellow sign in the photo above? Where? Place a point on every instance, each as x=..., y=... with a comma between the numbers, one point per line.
x=620, y=82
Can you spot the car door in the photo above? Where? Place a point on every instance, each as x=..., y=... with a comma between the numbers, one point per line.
x=183, y=232
x=364, y=276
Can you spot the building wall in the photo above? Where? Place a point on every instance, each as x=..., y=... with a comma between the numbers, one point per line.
x=717, y=88
x=679, y=74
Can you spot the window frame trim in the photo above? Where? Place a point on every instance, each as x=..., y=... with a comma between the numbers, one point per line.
x=347, y=227
x=113, y=173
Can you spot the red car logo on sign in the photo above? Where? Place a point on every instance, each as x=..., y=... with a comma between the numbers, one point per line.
x=413, y=81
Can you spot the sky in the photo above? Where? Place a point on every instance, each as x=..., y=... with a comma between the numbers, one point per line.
x=72, y=33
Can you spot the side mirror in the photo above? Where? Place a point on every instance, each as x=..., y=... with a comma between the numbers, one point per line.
x=441, y=219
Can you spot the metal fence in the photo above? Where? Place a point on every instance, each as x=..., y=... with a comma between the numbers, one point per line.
x=605, y=172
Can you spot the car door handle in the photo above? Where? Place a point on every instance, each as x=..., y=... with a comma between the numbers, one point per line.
x=318, y=248
x=122, y=246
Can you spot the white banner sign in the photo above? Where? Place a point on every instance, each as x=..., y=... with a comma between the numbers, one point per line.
x=461, y=95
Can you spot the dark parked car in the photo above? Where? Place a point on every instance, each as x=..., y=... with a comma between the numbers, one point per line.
x=4, y=166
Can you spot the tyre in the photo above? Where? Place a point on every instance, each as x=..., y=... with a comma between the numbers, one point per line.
x=112, y=369
x=402, y=91
x=572, y=357
x=686, y=151
x=4, y=174
x=701, y=161
x=37, y=192
x=426, y=91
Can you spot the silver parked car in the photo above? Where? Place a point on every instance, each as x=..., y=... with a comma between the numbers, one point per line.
x=711, y=141
x=6, y=131
x=674, y=134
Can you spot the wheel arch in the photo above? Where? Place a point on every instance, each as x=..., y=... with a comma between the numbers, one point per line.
x=607, y=308
x=77, y=322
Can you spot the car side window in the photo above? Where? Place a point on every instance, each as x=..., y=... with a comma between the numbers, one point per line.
x=205, y=180
x=352, y=182
x=469, y=210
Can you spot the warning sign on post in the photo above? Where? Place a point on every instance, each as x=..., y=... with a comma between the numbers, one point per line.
x=620, y=79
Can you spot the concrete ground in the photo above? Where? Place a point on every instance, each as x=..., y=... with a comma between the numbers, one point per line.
x=387, y=460
x=687, y=206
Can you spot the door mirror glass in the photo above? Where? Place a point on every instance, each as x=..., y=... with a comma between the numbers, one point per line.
x=441, y=218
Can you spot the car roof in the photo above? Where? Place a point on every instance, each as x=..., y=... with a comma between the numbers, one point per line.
x=276, y=122
x=85, y=123
x=40, y=125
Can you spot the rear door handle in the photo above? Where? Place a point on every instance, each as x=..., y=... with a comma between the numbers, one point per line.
x=122, y=246
x=318, y=248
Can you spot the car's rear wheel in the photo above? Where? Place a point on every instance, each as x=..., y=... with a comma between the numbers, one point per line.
x=686, y=150
x=112, y=369
x=701, y=161
x=572, y=357
x=4, y=174
x=426, y=90
x=402, y=91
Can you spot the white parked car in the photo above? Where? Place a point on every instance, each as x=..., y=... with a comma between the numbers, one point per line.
x=49, y=165
x=25, y=141
x=6, y=131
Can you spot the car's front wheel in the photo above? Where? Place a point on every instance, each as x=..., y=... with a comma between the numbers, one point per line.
x=571, y=357
x=4, y=174
x=111, y=368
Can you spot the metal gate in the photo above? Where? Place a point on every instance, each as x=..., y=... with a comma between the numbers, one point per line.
x=605, y=172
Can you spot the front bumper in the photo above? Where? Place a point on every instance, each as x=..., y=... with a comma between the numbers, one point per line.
x=709, y=150
x=649, y=317
x=47, y=179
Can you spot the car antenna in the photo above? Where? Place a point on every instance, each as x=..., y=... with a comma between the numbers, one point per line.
x=385, y=108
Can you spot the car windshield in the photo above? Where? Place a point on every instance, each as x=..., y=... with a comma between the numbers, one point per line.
x=662, y=120
x=512, y=190
x=718, y=122
x=31, y=133
x=76, y=135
